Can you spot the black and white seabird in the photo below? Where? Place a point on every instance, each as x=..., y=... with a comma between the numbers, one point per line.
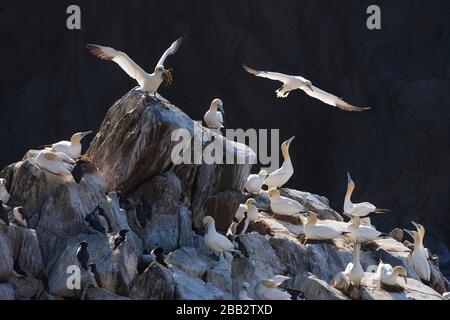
x=3, y=213
x=95, y=274
x=158, y=256
x=19, y=217
x=73, y=147
x=242, y=226
x=83, y=254
x=93, y=220
x=82, y=167
x=120, y=238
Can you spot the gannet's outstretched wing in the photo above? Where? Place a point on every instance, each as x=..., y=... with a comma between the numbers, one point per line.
x=172, y=49
x=121, y=58
x=269, y=75
x=331, y=99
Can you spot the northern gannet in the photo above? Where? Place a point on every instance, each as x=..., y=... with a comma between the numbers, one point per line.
x=242, y=226
x=4, y=194
x=250, y=208
x=214, y=118
x=19, y=217
x=282, y=205
x=55, y=162
x=120, y=238
x=296, y=82
x=83, y=254
x=148, y=82
x=268, y=289
x=361, y=233
x=354, y=271
x=362, y=209
x=388, y=275
x=313, y=231
x=421, y=231
x=282, y=175
x=214, y=240
x=255, y=181
x=73, y=147
x=243, y=291
x=3, y=214
x=419, y=257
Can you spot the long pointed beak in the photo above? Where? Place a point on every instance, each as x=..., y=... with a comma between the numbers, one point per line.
x=288, y=142
x=349, y=178
x=310, y=86
x=409, y=232
x=222, y=110
x=415, y=224
x=86, y=133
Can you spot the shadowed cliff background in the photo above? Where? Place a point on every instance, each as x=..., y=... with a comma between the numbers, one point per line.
x=397, y=152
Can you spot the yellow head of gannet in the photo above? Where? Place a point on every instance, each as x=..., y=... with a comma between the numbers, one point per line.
x=388, y=275
x=54, y=162
x=419, y=257
x=282, y=175
x=214, y=240
x=268, y=289
x=274, y=193
x=77, y=137
x=285, y=147
x=250, y=203
x=311, y=218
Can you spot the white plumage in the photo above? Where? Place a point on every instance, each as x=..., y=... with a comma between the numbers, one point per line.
x=267, y=289
x=56, y=163
x=297, y=82
x=354, y=271
x=282, y=175
x=419, y=257
x=73, y=147
x=282, y=205
x=255, y=182
x=243, y=291
x=214, y=240
x=361, y=233
x=214, y=118
x=250, y=208
x=388, y=275
x=314, y=231
x=4, y=194
x=148, y=82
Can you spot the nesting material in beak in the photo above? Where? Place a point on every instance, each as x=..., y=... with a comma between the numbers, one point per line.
x=167, y=77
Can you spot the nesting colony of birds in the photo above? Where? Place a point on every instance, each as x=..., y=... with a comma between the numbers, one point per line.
x=125, y=222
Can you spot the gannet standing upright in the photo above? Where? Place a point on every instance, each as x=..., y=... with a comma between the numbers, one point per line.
x=388, y=275
x=313, y=231
x=354, y=271
x=421, y=231
x=214, y=118
x=358, y=209
x=148, y=82
x=282, y=205
x=4, y=194
x=214, y=240
x=73, y=147
x=282, y=175
x=419, y=257
x=54, y=162
x=296, y=82
x=255, y=181
x=250, y=208
x=268, y=289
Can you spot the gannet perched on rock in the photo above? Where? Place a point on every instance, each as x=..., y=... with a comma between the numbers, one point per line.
x=282, y=205
x=255, y=182
x=243, y=291
x=148, y=82
x=214, y=118
x=362, y=233
x=4, y=194
x=55, y=162
x=268, y=289
x=73, y=147
x=419, y=257
x=388, y=275
x=354, y=271
x=313, y=231
x=296, y=82
x=250, y=208
x=214, y=240
x=421, y=231
x=282, y=175
x=362, y=209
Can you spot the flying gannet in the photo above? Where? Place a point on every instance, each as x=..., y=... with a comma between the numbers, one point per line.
x=388, y=275
x=296, y=82
x=354, y=271
x=314, y=231
x=250, y=208
x=419, y=257
x=214, y=240
x=4, y=194
x=282, y=205
x=268, y=289
x=55, y=162
x=73, y=147
x=243, y=291
x=360, y=232
x=362, y=209
x=148, y=82
x=282, y=175
x=214, y=118
x=255, y=182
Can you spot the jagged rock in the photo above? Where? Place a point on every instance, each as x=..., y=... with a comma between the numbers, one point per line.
x=25, y=250
x=294, y=255
x=6, y=259
x=316, y=203
x=7, y=292
x=117, y=268
x=397, y=234
x=437, y=280
x=94, y=293
x=191, y=288
x=243, y=270
x=315, y=288
x=219, y=274
x=189, y=261
x=156, y=283
x=26, y=288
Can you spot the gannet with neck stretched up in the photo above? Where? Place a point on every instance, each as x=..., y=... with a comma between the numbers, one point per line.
x=314, y=231
x=362, y=209
x=354, y=271
x=214, y=118
x=268, y=289
x=73, y=147
x=419, y=257
x=388, y=275
x=421, y=231
x=214, y=240
x=296, y=82
x=282, y=205
x=148, y=82
x=55, y=162
x=4, y=194
x=282, y=175
x=243, y=291
x=361, y=233
x=255, y=182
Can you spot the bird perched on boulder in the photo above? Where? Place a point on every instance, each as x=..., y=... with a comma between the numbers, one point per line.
x=120, y=238
x=388, y=275
x=95, y=275
x=244, y=291
x=354, y=272
x=242, y=225
x=57, y=163
x=315, y=231
x=284, y=206
x=73, y=147
x=361, y=233
x=214, y=240
x=83, y=254
x=419, y=257
x=82, y=167
x=270, y=289
x=157, y=255
x=250, y=208
x=148, y=82
x=214, y=118
x=255, y=182
x=4, y=194
x=282, y=175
